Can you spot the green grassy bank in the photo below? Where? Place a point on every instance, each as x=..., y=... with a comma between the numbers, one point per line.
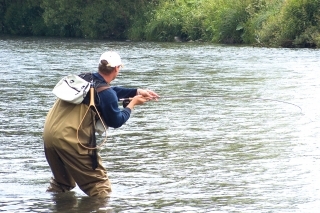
x=276, y=23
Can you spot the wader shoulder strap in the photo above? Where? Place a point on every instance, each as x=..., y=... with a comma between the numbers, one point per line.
x=99, y=89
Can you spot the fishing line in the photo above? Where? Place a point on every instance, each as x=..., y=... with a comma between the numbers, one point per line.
x=127, y=100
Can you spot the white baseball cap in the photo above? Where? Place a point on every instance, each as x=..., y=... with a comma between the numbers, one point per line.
x=112, y=58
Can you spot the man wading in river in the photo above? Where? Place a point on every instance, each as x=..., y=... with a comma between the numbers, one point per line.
x=72, y=163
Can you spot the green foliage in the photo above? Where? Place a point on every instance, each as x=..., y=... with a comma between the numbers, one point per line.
x=217, y=21
x=90, y=18
x=300, y=19
x=141, y=12
x=294, y=24
x=22, y=18
x=257, y=14
x=288, y=23
x=166, y=22
x=3, y=8
x=62, y=17
x=232, y=19
x=101, y=20
x=259, y=31
x=309, y=38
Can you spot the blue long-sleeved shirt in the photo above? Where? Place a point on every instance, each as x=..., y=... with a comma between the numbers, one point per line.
x=108, y=104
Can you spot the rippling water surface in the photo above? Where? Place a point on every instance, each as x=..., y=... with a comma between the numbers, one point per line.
x=217, y=140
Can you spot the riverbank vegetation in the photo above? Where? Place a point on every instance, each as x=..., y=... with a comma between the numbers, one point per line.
x=284, y=23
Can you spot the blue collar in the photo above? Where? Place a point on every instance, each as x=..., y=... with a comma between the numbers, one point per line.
x=100, y=78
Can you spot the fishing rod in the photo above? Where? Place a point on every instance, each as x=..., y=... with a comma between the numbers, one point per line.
x=126, y=101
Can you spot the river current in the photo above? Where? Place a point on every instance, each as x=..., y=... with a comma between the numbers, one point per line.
x=236, y=129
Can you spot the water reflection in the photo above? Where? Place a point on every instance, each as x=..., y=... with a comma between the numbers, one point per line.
x=68, y=202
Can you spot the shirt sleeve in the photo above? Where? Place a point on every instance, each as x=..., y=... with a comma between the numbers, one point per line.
x=124, y=92
x=109, y=106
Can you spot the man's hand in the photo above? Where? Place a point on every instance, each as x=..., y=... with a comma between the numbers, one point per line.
x=136, y=100
x=148, y=94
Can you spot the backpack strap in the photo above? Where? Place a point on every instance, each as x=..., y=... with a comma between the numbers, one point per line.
x=86, y=76
x=99, y=86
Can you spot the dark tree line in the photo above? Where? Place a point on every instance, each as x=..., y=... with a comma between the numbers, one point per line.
x=70, y=18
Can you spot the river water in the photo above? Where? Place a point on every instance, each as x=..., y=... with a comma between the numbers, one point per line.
x=236, y=129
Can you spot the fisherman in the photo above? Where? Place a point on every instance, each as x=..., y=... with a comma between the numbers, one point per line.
x=72, y=163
